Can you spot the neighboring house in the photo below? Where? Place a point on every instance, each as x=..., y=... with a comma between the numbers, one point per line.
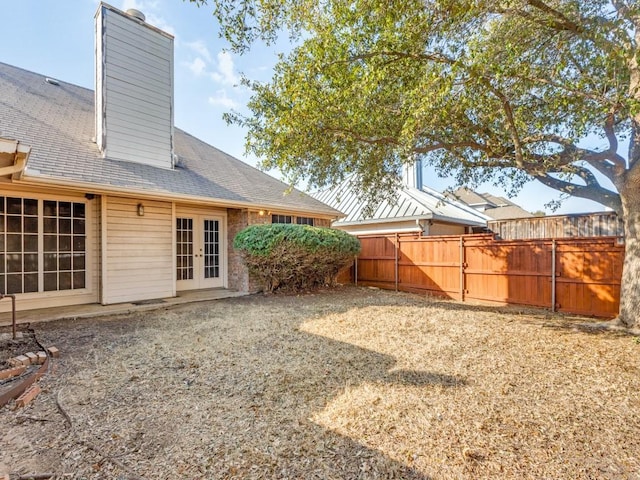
x=413, y=208
x=103, y=200
x=498, y=208
x=511, y=222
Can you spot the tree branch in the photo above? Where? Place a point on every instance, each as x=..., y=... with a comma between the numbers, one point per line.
x=343, y=132
x=528, y=16
x=549, y=138
x=619, y=164
x=511, y=125
x=591, y=192
x=625, y=11
x=608, y=162
x=551, y=83
x=429, y=56
x=451, y=146
x=562, y=22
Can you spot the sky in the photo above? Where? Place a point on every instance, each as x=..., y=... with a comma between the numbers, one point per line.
x=56, y=38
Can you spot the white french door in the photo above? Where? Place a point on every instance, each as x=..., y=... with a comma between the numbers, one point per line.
x=199, y=252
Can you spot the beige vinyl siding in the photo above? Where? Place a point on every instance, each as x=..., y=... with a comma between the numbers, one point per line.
x=446, y=229
x=91, y=292
x=136, y=86
x=139, y=251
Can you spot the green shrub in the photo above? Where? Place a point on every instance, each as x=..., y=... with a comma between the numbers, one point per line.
x=295, y=257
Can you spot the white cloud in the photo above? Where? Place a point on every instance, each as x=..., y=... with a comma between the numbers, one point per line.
x=220, y=99
x=141, y=5
x=200, y=48
x=161, y=23
x=225, y=73
x=127, y=4
x=148, y=7
x=198, y=66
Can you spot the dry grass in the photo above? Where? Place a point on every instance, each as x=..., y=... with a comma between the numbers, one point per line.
x=355, y=383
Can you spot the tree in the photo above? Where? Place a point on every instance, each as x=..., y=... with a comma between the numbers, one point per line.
x=502, y=90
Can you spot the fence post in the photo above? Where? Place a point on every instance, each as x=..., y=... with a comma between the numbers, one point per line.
x=13, y=310
x=396, y=260
x=461, y=268
x=553, y=275
x=355, y=274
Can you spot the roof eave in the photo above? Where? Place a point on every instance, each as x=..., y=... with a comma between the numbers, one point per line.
x=461, y=221
x=428, y=216
x=100, y=189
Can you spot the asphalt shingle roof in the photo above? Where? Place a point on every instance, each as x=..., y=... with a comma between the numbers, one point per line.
x=498, y=208
x=57, y=122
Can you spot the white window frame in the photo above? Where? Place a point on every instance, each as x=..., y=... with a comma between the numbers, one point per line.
x=40, y=198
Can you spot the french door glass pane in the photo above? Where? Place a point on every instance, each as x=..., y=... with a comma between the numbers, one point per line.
x=184, y=248
x=211, y=255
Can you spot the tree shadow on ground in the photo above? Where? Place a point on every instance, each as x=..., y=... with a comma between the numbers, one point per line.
x=579, y=325
x=224, y=389
x=554, y=320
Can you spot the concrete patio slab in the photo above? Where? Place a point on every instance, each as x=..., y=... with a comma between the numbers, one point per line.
x=97, y=310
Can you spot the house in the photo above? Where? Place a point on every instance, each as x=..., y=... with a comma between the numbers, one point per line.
x=103, y=200
x=413, y=208
x=498, y=208
x=511, y=222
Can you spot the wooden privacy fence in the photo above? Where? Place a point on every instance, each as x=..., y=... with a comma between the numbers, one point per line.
x=600, y=224
x=571, y=275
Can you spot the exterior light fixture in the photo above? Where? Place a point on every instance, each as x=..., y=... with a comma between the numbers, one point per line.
x=140, y=210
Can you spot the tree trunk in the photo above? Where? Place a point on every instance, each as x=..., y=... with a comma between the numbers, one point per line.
x=630, y=289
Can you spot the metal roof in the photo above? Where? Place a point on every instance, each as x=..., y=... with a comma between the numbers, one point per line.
x=407, y=203
x=57, y=122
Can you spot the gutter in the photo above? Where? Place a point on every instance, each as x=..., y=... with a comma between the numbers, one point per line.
x=471, y=223
x=432, y=216
x=385, y=220
x=84, y=187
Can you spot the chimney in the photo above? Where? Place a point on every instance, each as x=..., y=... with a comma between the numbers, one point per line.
x=412, y=174
x=134, y=88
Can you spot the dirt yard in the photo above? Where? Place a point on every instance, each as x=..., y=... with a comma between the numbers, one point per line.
x=346, y=384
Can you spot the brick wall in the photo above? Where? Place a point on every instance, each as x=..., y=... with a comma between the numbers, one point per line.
x=238, y=274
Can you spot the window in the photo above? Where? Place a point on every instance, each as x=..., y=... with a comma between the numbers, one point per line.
x=304, y=221
x=19, y=245
x=281, y=219
x=29, y=226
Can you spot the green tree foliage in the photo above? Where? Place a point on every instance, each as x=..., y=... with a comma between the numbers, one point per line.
x=501, y=90
x=295, y=257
